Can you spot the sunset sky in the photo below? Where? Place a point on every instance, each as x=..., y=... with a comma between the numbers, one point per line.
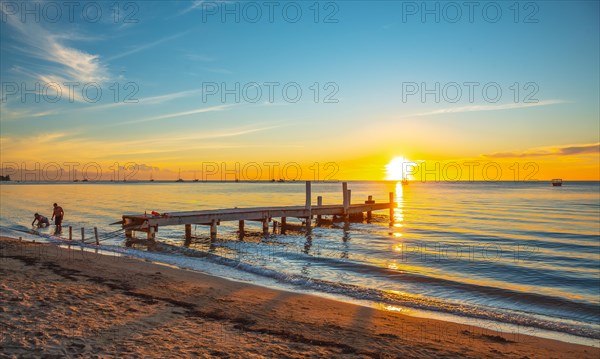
x=366, y=58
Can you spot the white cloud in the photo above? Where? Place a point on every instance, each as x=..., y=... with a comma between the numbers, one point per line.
x=491, y=107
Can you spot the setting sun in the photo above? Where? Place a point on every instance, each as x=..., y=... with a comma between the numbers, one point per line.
x=399, y=169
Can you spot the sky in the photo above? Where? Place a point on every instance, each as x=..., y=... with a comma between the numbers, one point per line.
x=301, y=90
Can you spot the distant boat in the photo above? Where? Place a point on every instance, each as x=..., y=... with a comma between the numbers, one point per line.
x=281, y=180
x=85, y=180
x=405, y=182
x=75, y=180
x=179, y=179
x=557, y=182
x=151, y=179
x=195, y=179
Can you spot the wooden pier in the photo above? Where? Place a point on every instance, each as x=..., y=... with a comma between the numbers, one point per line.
x=346, y=212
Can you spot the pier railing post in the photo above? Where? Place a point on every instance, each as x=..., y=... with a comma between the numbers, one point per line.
x=70, y=233
x=96, y=236
x=82, y=234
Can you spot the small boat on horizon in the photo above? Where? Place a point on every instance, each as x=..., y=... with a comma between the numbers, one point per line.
x=557, y=182
x=179, y=178
x=405, y=182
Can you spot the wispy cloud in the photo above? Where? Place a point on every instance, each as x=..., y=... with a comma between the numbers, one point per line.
x=491, y=107
x=193, y=6
x=147, y=46
x=564, y=150
x=177, y=114
x=62, y=63
x=197, y=5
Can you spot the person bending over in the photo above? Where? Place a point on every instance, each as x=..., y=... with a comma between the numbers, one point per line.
x=41, y=220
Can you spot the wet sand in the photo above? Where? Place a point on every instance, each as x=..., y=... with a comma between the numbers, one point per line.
x=58, y=302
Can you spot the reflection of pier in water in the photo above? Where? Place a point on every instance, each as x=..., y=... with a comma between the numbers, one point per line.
x=345, y=212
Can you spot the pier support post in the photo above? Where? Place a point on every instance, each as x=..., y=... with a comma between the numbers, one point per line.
x=319, y=204
x=391, y=208
x=96, y=236
x=308, y=195
x=151, y=234
x=283, y=224
x=265, y=225
x=82, y=234
x=369, y=213
x=241, y=229
x=346, y=203
x=70, y=233
x=308, y=205
x=213, y=229
x=188, y=232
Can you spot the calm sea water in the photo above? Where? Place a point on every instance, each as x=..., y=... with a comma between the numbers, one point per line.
x=521, y=253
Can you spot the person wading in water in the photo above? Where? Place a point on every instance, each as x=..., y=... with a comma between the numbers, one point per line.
x=57, y=216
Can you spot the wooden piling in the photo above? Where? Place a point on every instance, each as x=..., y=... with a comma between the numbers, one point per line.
x=70, y=233
x=188, y=232
x=283, y=224
x=82, y=234
x=265, y=226
x=308, y=196
x=241, y=228
x=151, y=234
x=96, y=236
x=346, y=203
x=369, y=213
x=213, y=229
x=319, y=204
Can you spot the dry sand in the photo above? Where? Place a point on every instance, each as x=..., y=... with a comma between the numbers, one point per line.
x=67, y=303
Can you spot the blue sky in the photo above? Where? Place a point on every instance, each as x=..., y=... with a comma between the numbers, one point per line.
x=365, y=55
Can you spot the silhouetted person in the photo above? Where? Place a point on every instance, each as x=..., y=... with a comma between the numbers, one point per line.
x=42, y=221
x=58, y=215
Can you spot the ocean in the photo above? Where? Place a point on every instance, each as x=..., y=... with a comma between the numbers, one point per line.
x=513, y=256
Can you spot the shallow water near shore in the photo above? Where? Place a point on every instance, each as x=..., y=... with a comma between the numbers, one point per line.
x=522, y=253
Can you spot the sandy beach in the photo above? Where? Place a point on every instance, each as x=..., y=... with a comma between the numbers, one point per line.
x=58, y=302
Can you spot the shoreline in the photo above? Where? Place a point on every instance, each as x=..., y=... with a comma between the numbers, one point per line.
x=82, y=302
